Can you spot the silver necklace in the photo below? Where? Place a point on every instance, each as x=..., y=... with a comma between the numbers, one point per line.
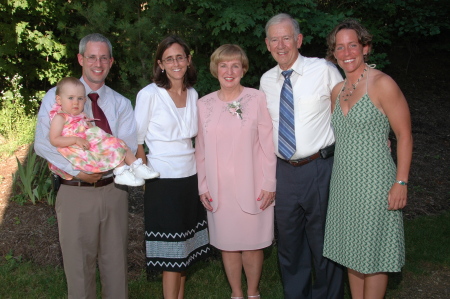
x=351, y=90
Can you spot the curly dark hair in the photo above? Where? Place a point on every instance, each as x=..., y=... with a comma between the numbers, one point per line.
x=160, y=78
x=364, y=38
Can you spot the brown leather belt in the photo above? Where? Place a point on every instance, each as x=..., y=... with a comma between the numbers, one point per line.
x=79, y=183
x=303, y=161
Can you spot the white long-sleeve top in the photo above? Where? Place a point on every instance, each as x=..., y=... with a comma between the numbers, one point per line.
x=167, y=131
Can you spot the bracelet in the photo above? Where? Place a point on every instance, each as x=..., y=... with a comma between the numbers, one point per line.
x=403, y=183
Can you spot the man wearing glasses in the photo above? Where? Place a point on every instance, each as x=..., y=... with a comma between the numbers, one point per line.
x=92, y=211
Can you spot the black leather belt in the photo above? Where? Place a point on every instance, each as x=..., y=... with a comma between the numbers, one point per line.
x=79, y=183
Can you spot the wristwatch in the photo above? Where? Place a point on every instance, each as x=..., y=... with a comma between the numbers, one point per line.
x=403, y=183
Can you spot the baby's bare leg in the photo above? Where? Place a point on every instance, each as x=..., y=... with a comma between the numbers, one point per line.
x=129, y=156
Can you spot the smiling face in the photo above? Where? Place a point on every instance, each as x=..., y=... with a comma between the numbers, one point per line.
x=96, y=62
x=283, y=44
x=72, y=98
x=174, y=62
x=230, y=73
x=348, y=52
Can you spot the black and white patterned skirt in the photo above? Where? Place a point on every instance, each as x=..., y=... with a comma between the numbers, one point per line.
x=176, y=232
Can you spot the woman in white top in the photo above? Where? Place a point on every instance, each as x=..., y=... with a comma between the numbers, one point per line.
x=175, y=221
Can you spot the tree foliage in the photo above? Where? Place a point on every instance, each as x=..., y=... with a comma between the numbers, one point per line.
x=39, y=38
x=29, y=45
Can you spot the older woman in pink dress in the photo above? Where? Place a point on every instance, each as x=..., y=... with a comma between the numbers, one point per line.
x=236, y=169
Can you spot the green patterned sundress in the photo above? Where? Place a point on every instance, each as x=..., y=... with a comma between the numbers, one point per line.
x=361, y=233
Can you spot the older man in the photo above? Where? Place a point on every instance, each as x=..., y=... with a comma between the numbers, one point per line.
x=92, y=211
x=298, y=97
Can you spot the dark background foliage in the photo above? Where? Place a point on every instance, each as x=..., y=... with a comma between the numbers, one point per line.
x=39, y=38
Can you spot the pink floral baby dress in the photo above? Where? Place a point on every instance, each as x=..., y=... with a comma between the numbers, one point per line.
x=105, y=152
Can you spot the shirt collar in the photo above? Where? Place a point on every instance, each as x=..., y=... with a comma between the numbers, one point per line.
x=297, y=67
x=100, y=91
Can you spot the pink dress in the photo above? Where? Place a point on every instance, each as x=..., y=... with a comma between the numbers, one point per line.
x=235, y=161
x=105, y=153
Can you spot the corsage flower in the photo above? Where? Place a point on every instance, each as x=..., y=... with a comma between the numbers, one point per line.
x=235, y=108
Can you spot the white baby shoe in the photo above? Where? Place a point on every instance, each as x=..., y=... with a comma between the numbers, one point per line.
x=143, y=171
x=123, y=176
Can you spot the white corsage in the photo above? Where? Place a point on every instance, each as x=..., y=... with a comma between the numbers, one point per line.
x=235, y=108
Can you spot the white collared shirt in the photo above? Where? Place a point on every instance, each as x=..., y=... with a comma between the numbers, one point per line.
x=167, y=131
x=118, y=111
x=312, y=81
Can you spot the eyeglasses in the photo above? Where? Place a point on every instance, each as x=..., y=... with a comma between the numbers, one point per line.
x=170, y=60
x=93, y=59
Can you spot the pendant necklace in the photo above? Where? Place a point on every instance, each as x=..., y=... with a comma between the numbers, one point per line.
x=350, y=90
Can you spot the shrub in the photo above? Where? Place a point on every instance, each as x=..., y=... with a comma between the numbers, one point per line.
x=33, y=180
x=17, y=117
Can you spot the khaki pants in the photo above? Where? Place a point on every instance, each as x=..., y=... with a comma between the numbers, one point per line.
x=93, y=224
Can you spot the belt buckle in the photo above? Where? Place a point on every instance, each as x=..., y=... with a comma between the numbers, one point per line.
x=95, y=184
x=303, y=161
x=293, y=163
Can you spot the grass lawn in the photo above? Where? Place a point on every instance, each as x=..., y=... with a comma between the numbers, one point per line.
x=427, y=242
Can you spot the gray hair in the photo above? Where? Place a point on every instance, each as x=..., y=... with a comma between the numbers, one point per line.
x=94, y=37
x=280, y=18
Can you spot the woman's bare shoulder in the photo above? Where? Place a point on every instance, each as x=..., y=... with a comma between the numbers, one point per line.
x=381, y=79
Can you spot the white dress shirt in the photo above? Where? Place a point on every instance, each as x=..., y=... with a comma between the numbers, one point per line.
x=312, y=81
x=117, y=109
x=167, y=131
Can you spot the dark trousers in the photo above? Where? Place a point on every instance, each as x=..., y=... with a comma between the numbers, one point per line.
x=300, y=211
